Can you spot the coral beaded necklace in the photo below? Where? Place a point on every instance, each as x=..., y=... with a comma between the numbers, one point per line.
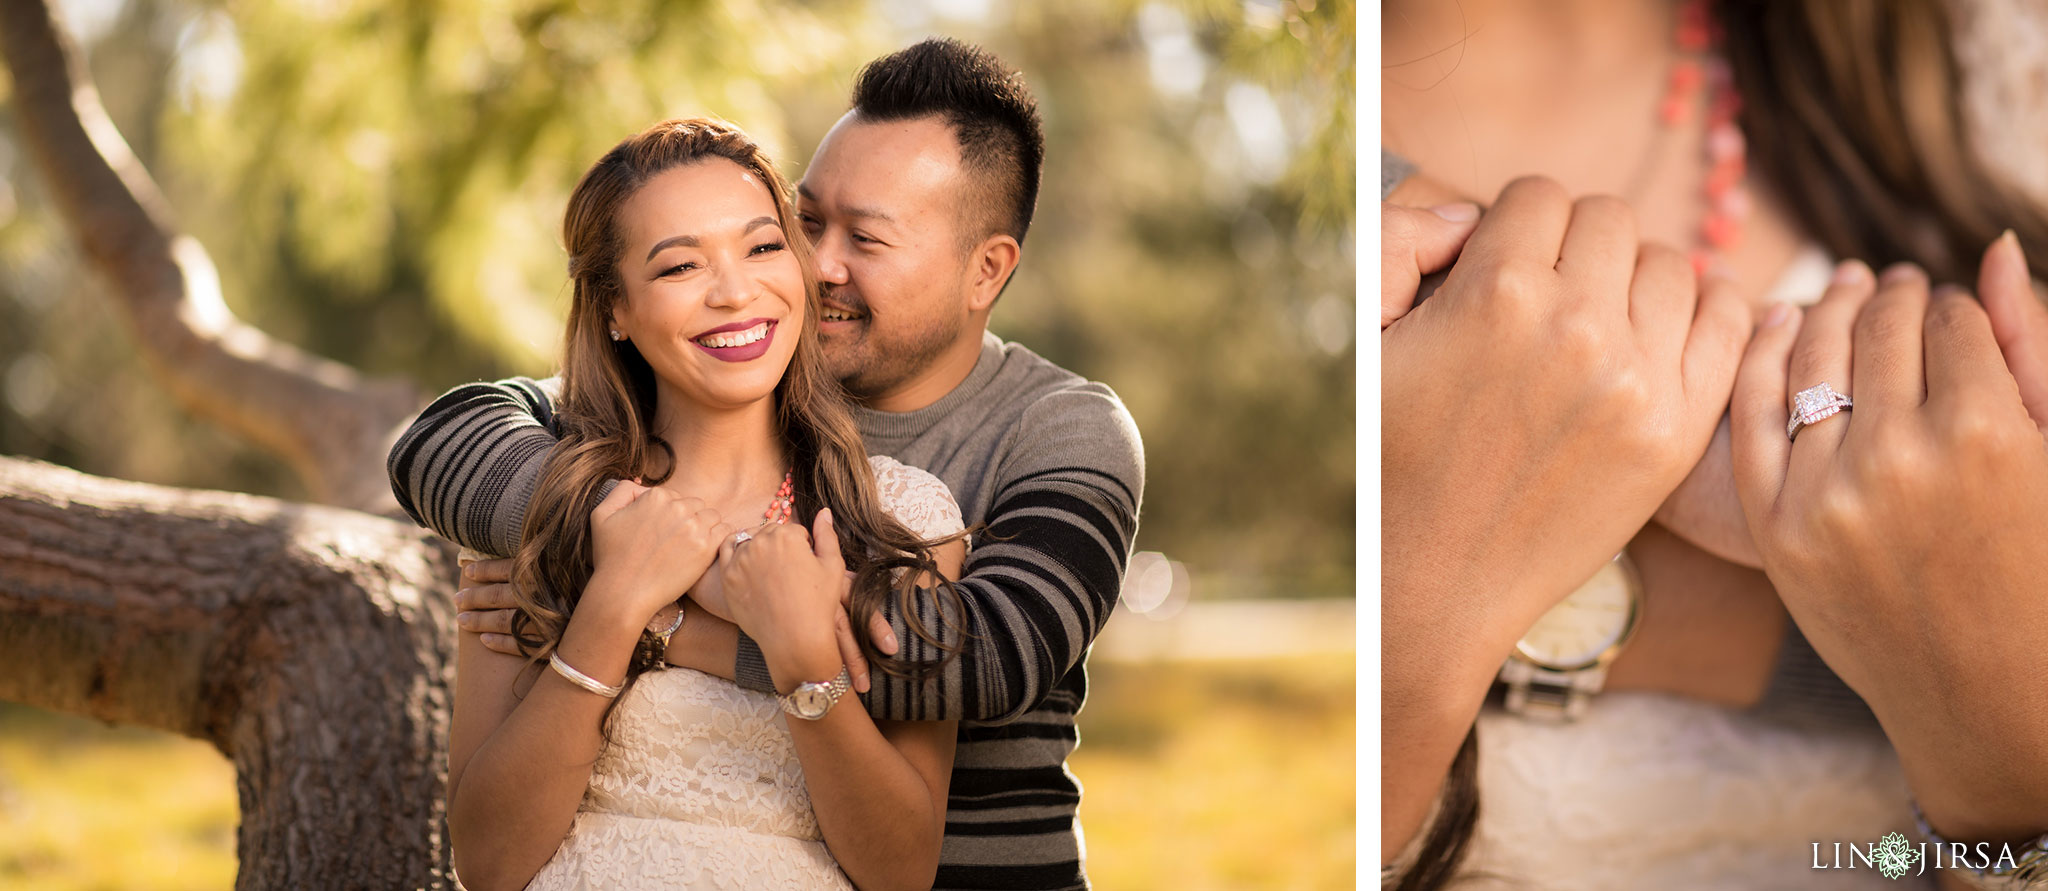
x=1725, y=195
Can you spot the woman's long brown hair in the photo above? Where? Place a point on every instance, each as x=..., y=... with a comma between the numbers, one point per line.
x=606, y=407
x=1853, y=115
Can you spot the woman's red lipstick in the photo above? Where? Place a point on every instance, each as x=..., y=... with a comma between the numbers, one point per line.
x=744, y=353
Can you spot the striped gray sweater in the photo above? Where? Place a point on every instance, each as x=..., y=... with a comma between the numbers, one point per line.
x=1051, y=463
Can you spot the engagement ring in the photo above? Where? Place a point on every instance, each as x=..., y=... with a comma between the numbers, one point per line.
x=742, y=537
x=1814, y=404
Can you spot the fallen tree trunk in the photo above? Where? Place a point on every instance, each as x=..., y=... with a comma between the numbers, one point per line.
x=313, y=646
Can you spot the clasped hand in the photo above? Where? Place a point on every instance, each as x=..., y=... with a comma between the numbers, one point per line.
x=1908, y=536
x=1562, y=381
x=655, y=548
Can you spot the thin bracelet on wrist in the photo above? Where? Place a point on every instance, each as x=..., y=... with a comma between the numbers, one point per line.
x=2028, y=872
x=583, y=680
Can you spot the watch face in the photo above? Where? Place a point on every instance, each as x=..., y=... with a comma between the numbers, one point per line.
x=811, y=700
x=1578, y=630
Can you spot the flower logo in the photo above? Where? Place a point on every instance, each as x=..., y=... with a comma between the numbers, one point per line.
x=1894, y=854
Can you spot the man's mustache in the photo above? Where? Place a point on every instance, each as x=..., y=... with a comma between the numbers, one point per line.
x=842, y=298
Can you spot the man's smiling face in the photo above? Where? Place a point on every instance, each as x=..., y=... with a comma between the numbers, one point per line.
x=883, y=203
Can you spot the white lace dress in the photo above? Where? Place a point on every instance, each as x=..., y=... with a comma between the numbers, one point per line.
x=702, y=788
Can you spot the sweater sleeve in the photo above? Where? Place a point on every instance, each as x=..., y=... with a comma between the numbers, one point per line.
x=467, y=467
x=1393, y=170
x=1043, y=575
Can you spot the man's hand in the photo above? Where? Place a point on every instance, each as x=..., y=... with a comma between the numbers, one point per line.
x=485, y=605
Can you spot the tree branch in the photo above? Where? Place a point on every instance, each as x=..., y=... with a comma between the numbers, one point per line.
x=313, y=646
x=330, y=423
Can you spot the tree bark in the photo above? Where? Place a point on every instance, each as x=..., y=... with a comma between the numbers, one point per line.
x=333, y=425
x=313, y=646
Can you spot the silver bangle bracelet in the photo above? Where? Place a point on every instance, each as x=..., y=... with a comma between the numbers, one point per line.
x=583, y=680
x=2027, y=869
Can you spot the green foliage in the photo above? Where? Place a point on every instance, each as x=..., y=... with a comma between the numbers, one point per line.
x=382, y=184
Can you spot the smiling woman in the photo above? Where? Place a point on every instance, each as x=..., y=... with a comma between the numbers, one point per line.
x=692, y=330
x=719, y=280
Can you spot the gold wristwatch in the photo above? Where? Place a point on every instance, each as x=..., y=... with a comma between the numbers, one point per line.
x=812, y=699
x=1561, y=663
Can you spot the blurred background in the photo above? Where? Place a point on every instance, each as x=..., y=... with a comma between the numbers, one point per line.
x=381, y=183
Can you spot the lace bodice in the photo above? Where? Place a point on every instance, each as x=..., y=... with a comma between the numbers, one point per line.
x=916, y=498
x=1655, y=791
x=701, y=787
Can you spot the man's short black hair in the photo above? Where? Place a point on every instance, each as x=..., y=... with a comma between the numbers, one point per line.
x=993, y=115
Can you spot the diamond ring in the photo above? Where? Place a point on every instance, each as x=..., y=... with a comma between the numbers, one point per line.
x=742, y=537
x=1814, y=404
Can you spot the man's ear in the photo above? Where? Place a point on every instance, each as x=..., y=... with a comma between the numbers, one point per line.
x=989, y=268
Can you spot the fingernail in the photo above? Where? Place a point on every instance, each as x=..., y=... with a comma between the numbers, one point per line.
x=469, y=571
x=825, y=513
x=889, y=640
x=1719, y=270
x=1852, y=272
x=1457, y=212
x=2009, y=243
x=1778, y=314
x=1899, y=272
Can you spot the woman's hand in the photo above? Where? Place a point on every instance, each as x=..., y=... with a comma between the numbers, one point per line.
x=1909, y=535
x=784, y=588
x=1535, y=412
x=649, y=546
x=1542, y=405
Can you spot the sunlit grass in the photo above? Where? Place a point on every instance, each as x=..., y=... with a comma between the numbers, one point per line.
x=86, y=806
x=1219, y=775
x=1198, y=775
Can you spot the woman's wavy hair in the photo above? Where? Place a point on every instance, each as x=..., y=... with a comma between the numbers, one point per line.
x=1854, y=116
x=605, y=411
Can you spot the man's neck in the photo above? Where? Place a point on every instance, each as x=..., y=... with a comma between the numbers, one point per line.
x=945, y=374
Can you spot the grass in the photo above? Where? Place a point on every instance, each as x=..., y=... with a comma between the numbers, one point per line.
x=1220, y=775
x=1213, y=775
x=85, y=807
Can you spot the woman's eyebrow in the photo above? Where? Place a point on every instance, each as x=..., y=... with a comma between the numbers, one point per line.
x=691, y=240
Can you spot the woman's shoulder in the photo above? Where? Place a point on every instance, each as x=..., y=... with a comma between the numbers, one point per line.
x=916, y=498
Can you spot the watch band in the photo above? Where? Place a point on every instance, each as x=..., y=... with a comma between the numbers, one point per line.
x=832, y=690
x=2028, y=872
x=1538, y=692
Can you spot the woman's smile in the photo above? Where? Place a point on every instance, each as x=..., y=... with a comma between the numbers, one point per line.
x=738, y=342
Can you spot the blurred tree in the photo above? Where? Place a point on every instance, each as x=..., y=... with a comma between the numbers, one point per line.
x=381, y=183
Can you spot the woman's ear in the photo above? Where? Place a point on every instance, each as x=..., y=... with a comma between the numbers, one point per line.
x=618, y=318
